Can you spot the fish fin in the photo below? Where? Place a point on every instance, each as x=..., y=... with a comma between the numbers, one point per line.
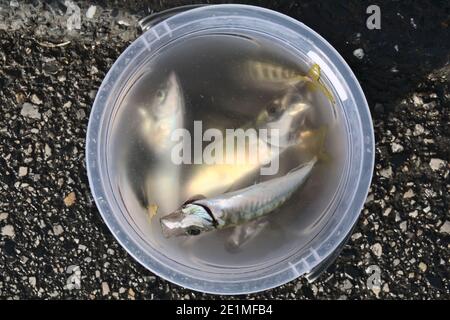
x=194, y=198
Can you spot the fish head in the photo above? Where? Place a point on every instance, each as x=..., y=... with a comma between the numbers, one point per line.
x=168, y=98
x=163, y=114
x=189, y=220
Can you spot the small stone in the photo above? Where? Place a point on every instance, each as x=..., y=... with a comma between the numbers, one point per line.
x=404, y=226
x=105, y=288
x=23, y=171
x=387, y=212
x=377, y=249
x=423, y=267
x=122, y=290
x=90, y=13
x=356, y=236
x=131, y=293
x=347, y=285
x=418, y=130
x=396, y=262
x=94, y=70
x=58, y=230
x=35, y=99
x=8, y=231
x=445, y=228
x=408, y=194
x=396, y=147
x=30, y=111
x=32, y=281
x=417, y=100
x=386, y=288
x=70, y=199
x=3, y=216
x=14, y=3
x=436, y=164
x=359, y=53
x=386, y=173
x=414, y=214
x=97, y=274
x=47, y=151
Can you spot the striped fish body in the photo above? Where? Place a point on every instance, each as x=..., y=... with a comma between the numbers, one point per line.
x=235, y=208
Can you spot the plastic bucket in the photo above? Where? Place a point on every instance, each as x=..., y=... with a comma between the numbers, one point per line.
x=308, y=260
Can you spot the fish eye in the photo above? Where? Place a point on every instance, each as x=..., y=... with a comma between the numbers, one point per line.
x=161, y=95
x=193, y=232
x=272, y=110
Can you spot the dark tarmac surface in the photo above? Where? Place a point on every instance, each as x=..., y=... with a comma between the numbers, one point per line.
x=51, y=231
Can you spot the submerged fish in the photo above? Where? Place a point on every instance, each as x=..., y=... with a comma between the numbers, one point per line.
x=234, y=208
x=276, y=77
x=161, y=115
x=284, y=114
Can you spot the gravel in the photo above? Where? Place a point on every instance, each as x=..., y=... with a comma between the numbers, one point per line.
x=53, y=242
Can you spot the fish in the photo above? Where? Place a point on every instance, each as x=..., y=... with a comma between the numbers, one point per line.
x=162, y=115
x=158, y=118
x=199, y=214
x=276, y=77
x=281, y=114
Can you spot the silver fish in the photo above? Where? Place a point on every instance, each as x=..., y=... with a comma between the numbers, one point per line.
x=234, y=208
x=162, y=115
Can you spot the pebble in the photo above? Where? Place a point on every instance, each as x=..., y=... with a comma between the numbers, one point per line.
x=8, y=231
x=404, y=226
x=90, y=13
x=347, y=285
x=23, y=171
x=418, y=130
x=32, y=281
x=386, y=173
x=58, y=230
x=445, y=228
x=417, y=100
x=413, y=214
x=70, y=199
x=436, y=164
x=30, y=111
x=35, y=99
x=131, y=293
x=408, y=194
x=356, y=236
x=47, y=151
x=105, y=288
x=359, y=53
x=3, y=216
x=396, y=147
x=377, y=249
x=422, y=266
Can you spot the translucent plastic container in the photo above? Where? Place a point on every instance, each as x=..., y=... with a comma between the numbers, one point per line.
x=306, y=258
